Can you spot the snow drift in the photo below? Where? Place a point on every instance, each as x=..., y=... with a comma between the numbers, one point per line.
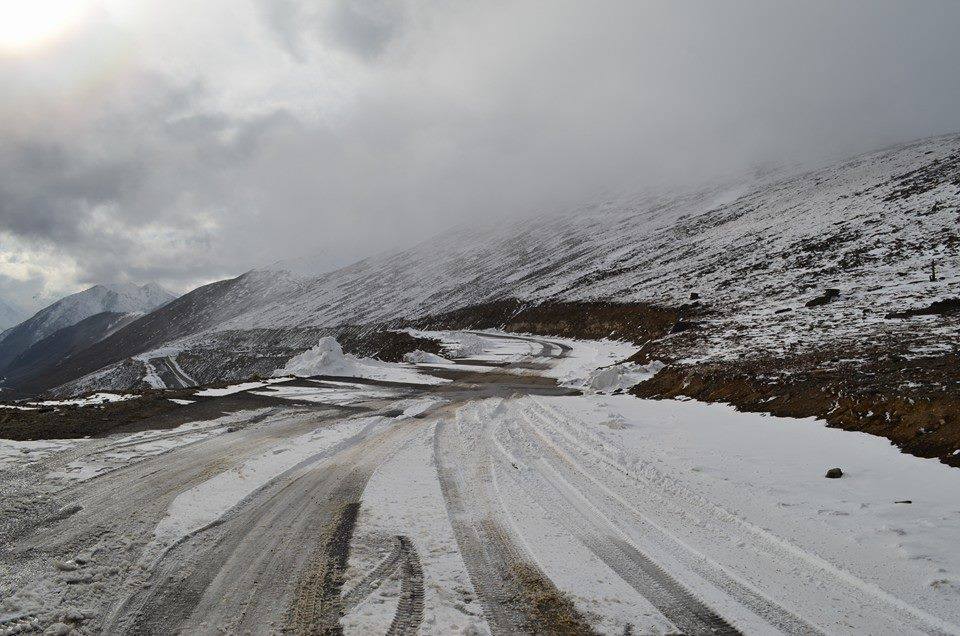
x=327, y=358
x=470, y=345
x=616, y=377
x=423, y=357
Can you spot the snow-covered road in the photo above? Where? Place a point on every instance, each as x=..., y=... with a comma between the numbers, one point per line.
x=496, y=502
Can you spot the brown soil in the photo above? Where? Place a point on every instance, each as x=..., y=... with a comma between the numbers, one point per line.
x=318, y=603
x=944, y=307
x=382, y=343
x=636, y=322
x=66, y=422
x=914, y=403
x=551, y=611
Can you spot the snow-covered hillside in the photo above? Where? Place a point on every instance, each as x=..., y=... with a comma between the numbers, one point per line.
x=115, y=298
x=871, y=228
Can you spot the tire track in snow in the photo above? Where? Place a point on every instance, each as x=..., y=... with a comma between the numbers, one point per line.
x=369, y=584
x=577, y=513
x=573, y=511
x=410, y=608
x=548, y=348
x=255, y=566
x=409, y=613
x=505, y=579
x=688, y=613
x=565, y=436
x=318, y=605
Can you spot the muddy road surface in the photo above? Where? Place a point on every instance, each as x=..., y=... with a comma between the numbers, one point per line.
x=339, y=505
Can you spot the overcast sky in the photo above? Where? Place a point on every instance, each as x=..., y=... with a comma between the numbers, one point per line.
x=181, y=141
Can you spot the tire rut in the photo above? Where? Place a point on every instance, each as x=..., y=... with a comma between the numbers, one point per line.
x=516, y=595
x=682, y=608
x=319, y=605
x=621, y=552
x=273, y=562
x=409, y=614
x=369, y=584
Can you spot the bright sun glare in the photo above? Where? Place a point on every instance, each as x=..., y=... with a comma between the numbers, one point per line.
x=29, y=23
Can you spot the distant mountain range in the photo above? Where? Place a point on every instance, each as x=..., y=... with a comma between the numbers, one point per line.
x=113, y=306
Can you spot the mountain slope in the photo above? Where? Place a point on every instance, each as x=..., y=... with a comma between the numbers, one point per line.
x=54, y=350
x=870, y=228
x=755, y=253
x=76, y=307
x=189, y=314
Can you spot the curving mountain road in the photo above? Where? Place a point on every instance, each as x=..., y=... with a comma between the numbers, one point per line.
x=493, y=508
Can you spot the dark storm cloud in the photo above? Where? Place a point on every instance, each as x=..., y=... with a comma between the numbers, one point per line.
x=394, y=119
x=361, y=27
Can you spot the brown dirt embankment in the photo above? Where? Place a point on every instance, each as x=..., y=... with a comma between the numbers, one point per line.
x=634, y=322
x=915, y=403
x=69, y=421
x=382, y=343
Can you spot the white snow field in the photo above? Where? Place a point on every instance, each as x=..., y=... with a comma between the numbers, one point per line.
x=735, y=506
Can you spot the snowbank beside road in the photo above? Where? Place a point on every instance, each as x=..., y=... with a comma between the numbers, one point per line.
x=422, y=357
x=327, y=358
x=617, y=377
x=468, y=346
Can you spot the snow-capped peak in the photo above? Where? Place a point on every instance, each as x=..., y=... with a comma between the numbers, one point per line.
x=113, y=297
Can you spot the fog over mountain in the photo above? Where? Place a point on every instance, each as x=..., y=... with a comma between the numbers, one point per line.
x=9, y=314
x=136, y=146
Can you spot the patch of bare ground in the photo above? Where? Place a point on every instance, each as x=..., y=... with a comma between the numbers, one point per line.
x=946, y=307
x=913, y=402
x=549, y=610
x=318, y=604
x=70, y=421
x=383, y=343
x=635, y=322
